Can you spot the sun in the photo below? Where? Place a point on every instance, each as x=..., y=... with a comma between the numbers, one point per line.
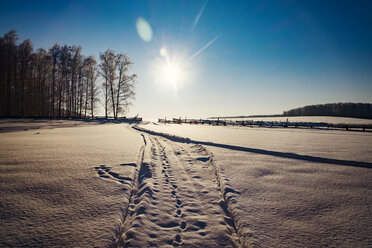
x=171, y=72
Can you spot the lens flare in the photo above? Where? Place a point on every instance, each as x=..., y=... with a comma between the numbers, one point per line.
x=144, y=29
x=163, y=52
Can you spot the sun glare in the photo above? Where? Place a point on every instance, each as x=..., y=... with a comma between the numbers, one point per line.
x=171, y=73
x=171, y=70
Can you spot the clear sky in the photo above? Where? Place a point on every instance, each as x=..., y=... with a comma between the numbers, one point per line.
x=216, y=58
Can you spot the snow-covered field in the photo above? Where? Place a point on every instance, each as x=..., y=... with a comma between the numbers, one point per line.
x=16, y=124
x=321, y=143
x=53, y=185
x=292, y=188
x=96, y=185
x=326, y=119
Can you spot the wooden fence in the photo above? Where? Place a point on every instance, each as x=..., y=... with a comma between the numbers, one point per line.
x=285, y=124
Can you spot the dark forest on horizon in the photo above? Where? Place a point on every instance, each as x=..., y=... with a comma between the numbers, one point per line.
x=61, y=82
x=356, y=110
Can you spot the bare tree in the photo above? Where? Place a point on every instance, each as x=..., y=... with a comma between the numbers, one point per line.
x=9, y=64
x=75, y=65
x=125, y=83
x=41, y=94
x=107, y=71
x=61, y=81
x=91, y=74
x=25, y=54
x=54, y=53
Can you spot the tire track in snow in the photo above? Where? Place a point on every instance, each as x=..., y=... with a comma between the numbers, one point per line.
x=154, y=188
x=133, y=188
x=167, y=171
x=176, y=200
x=227, y=193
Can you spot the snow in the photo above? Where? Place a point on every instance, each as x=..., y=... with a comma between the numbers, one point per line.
x=326, y=119
x=93, y=184
x=17, y=124
x=51, y=192
x=333, y=144
x=178, y=202
x=291, y=202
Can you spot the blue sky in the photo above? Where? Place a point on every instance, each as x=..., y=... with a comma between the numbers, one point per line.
x=260, y=57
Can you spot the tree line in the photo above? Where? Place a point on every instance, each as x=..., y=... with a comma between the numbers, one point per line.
x=61, y=82
x=357, y=110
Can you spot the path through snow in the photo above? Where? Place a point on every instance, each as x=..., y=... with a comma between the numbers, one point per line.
x=178, y=199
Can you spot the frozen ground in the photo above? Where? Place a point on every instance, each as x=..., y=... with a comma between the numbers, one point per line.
x=88, y=185
x=64, y=187
x=292, y=188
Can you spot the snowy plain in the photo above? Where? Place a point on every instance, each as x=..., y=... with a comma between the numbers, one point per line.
x=326, y=119
x=292, y=187
x=89, y=184
x=60, y=187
